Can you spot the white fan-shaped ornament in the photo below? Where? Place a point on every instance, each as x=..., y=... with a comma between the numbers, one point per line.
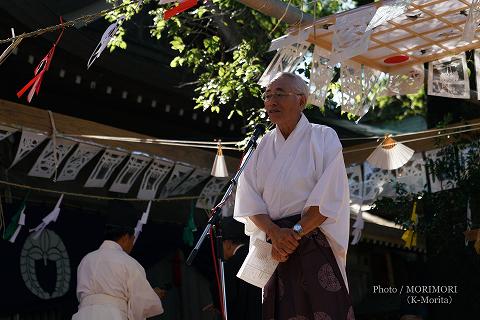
x=390, y=155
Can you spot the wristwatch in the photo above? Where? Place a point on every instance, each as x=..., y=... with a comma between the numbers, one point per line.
x=298, y=229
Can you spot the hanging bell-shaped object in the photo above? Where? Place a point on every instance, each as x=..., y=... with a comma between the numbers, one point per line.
x=219, y=169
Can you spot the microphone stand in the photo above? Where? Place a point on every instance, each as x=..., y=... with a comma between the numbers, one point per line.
x=214, y=223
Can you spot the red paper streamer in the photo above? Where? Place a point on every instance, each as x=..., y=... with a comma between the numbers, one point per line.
x=185, y=5
x=39, y=72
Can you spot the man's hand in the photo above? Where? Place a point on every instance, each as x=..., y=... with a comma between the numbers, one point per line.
x=284, y=240
x=276, y=255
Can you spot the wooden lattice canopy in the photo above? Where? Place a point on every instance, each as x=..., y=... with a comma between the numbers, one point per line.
x=429, y=30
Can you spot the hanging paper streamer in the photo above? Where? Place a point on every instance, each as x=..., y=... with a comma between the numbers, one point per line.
x=351, y=86
x=80, y=157
x=210, y=192
x=21, y=223
x=388, y=12
x=17, y=222
x=28, y=141
x=285, y=60
x=405, y=81
x=370, y=90
x=42, y=67
x=298, y=36
x=354, y=175
x=320, y=77
x=106, y=37
x=143, y=220
x=153, y=177
x=374, y=180
x=51, y=217
x=5, y=132
x=389, y=190
x=448, y=77
x=15, y=43
x=104, y=168
x=179, y=173
x=350, y=38
x=473, y=19
x=358, y=227
x=48, y=162
x=130, y=172
x=410, y=235
x=414, y=80
x=198, y=176
x=413, y=174
x=190, y=227
x=183, y=6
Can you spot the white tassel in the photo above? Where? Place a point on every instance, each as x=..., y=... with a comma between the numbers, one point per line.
x=390, y=155
x=52, y=216
x=21, y=222
x=358, y=228
x=143, y=220
x=219, y=168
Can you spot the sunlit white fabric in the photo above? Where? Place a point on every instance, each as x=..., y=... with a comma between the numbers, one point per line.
x=113, y=285
x=286, y=177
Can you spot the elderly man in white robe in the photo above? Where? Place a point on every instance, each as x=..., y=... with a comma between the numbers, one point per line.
x=294, y=193
x=111, y=285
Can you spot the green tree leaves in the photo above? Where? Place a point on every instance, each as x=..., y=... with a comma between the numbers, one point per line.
x=223, y=44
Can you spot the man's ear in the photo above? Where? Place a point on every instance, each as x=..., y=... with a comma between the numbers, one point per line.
x=303, y=102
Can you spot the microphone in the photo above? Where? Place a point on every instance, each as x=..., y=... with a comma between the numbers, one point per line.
x=259, y=130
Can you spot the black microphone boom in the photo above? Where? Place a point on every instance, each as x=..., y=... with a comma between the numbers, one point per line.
x=259, y=130
x=217, y=214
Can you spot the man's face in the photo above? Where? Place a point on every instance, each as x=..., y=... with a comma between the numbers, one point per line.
x=283, y=103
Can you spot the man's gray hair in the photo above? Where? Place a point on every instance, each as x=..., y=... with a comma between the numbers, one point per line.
x=300, y=86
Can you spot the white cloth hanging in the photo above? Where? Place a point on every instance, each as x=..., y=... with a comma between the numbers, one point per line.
x=51, y=217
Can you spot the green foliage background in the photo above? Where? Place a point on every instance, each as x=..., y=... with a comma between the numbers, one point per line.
x=224, y=45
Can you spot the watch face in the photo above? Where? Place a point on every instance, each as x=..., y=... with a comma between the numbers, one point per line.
x=297, y=228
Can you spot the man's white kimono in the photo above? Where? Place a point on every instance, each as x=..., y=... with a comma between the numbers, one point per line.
x=286, y=177
x=113, y=285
